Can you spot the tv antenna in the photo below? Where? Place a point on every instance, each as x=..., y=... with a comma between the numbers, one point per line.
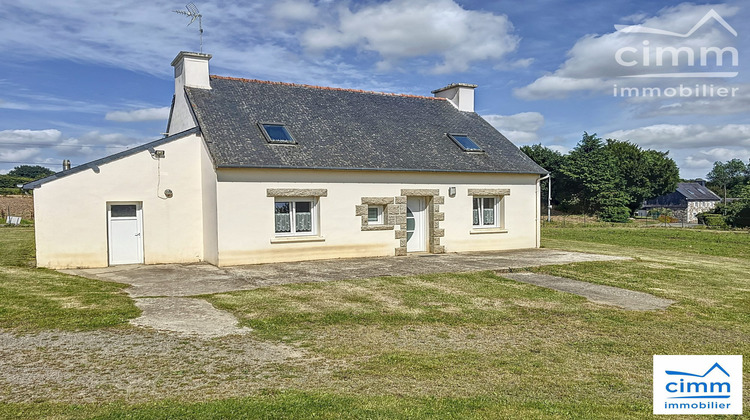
x=193, y=13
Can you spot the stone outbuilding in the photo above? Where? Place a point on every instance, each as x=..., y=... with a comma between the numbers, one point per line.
x=690, y=199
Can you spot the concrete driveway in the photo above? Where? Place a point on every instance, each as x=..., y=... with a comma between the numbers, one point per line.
x=161, y=291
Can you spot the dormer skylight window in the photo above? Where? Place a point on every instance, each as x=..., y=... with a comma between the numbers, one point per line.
x=276, y=133
x=465, y=142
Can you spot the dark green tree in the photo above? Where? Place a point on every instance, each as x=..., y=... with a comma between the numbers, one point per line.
x=29, y=171
x=593, y=176
x=552, y=161
x=737, y=213
x=728, y=176
x=642, y=174
x=611, y=178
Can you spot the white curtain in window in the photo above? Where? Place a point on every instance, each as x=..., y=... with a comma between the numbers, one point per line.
x=304, y=222
x=488, y=211
x=489, y=216
x=283, y=222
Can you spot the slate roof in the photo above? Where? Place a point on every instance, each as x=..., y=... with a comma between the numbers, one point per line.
x=694, y=191
x=686, y=191
x=345, y=129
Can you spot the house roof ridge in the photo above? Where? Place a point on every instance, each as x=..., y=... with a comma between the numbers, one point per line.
x=371, y=92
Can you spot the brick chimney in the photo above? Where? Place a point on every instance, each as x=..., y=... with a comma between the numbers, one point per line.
x=191, y=70
x=461, y=95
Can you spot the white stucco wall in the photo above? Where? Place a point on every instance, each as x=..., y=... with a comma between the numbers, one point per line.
x=228, y=219
x=246, y=217
x=71, y=219
x=208, y=191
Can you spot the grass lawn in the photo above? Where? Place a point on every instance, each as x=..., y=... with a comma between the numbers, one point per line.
x=34, y=299
x=477, y=345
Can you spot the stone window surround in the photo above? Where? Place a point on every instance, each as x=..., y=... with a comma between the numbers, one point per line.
x=489, y=192
x=394, y=214
x=296, y=192
x=389, y=210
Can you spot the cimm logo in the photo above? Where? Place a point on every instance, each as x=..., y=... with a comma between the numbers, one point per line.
x=698, y=389
x=706, y=61
x=680, y=388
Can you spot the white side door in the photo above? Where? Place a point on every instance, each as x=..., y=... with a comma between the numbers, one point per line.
x=125, y=233
x=415, y=224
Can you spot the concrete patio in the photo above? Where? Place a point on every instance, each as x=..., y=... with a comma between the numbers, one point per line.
x=196, y=279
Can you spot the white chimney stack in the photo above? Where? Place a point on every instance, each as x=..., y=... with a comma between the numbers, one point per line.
x=461, y=95
x=191, y=70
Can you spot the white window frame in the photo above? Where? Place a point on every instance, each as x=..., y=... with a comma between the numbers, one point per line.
x=292, y=216
x=379, y=219
x=497, y=208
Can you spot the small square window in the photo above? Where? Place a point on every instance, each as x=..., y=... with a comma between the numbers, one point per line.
x=465, y=142
x=276, y=133
x=375, y=215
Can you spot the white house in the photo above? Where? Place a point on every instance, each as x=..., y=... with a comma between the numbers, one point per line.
x=256, y=172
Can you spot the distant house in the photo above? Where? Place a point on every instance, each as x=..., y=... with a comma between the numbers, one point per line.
x=256, y=172
x=690, y=199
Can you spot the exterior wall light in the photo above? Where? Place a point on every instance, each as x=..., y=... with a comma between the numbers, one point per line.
x=451, y=192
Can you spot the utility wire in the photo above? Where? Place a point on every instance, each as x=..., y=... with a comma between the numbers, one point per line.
x=30, y=163
x=60, y=145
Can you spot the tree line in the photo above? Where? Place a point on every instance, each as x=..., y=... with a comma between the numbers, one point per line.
x=610, y=178
x=21, y=175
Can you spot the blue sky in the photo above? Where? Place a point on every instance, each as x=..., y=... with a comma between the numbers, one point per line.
x=88, y=79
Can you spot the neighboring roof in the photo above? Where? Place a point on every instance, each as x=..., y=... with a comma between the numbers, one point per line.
x=686, y=191
x=96, y=163
x=345, y=129
x=694, y=191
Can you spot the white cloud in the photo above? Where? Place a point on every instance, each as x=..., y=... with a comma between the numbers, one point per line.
x=29, y=136
x=682, y=136
x=50, y=146
x=403, y=29
x=18, y=155
x=25, y=145
x=559, y=148
x=146, y=36
x=723, y=154
x=13, y=105
x=591, y=64
x=294, y=10
x=519, y=128
x=736, y=101
x=697, y=163
x=146, y=114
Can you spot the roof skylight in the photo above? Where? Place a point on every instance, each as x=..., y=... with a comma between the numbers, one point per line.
x=465, y=142
x=276, y=133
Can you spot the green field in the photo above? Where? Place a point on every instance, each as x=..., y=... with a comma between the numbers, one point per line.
x=446, y=346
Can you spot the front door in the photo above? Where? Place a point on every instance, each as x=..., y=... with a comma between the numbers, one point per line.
x=416, y=233
x=125, y=233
